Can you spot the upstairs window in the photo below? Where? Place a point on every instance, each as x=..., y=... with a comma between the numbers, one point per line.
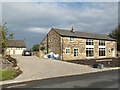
x=71, y=39
x=101, y=43
x=89, y=41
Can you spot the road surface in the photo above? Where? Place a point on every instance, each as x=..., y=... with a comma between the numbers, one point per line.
x=107, y=79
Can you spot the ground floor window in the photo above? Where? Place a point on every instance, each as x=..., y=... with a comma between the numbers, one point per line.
x=101, y=51
x=75, y=52
x=89, y=52
x=67, y=50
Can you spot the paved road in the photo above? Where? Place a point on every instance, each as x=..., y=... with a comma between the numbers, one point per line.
x=107, y=79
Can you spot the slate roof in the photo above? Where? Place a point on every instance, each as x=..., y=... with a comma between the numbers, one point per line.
x=68, y=33
x=16, y=43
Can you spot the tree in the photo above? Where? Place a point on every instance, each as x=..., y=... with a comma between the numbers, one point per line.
x=35, y=47
x=5, y=37
x=115, y=34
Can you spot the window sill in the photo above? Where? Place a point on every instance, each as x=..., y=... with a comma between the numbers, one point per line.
x=90, y=57
x=102, y=56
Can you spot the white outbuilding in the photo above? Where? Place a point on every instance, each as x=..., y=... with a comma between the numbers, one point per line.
x=15, y=47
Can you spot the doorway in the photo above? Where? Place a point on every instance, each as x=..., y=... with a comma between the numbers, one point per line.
x=13, y=51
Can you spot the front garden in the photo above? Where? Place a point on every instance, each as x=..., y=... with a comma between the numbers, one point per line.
x=9, y=69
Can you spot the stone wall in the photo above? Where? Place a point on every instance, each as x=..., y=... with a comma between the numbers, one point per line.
x=77, y=43
x=53, y=44
x=81, y=45
x=96, y=49
x=111, y=48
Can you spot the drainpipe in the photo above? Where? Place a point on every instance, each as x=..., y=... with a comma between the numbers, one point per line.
x=47, y=44
x=62, y=48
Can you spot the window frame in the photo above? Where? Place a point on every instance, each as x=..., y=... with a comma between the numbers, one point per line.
x=71, y=39
x=66, y=50
x=89, y=42
x=76, y=52
x=101, y=42
x=90, y=50
x=103, y=52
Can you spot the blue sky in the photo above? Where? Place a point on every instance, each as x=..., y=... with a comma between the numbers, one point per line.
x=32, y=20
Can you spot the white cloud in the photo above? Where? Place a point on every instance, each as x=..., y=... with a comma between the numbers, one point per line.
x=38, y=30
x=49, y=15
x=60, y=0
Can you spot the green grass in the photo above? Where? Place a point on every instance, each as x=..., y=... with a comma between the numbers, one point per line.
x=7, y=75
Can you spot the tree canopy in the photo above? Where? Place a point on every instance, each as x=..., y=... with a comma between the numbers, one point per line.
x=115, y=34
x=35, y=47
x=5, y=37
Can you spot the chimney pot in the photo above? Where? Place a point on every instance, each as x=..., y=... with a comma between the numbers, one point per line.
x=72, y=30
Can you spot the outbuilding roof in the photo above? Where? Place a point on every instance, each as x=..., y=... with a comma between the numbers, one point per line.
x=16, y=43
x=69, y=33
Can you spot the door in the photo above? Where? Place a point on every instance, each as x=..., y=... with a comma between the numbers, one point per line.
x=13, y=51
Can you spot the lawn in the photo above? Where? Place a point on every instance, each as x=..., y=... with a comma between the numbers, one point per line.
x=7, y=75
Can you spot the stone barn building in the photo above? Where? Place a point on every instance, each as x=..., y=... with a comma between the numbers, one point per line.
x=74, y=45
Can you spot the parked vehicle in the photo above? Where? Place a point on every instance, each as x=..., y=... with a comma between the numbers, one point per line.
x=98, y=65
x=27, y=53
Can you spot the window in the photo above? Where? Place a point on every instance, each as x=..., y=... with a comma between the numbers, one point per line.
x=101, y=43
x=71, y=39
x=89, y=41
x=101, y=51
x=67, y=50
x=75, y=52
x=89, y=52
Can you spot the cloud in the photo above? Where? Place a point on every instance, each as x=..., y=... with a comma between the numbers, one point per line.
x=41, y=17
x=60, y=0
x=38, y=30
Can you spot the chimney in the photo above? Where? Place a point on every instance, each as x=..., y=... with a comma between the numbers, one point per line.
x=72, y=30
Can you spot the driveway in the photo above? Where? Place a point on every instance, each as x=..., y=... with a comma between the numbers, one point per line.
x=35, y=68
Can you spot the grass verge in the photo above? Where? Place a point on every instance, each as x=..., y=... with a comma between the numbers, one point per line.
x=7, y=74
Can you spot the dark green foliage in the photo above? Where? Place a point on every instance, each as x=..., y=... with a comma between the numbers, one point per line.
x=115, y=34
x=35, y=47
x=5, y=37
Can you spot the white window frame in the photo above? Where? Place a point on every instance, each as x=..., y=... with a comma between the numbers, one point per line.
x=89, y=54
x=72, y=39
x=105, y=52
x=66, y=50
x=101, y=41
x=90, y=41
x=77, y=53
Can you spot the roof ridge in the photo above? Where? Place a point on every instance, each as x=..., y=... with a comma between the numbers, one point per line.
x=80, y=31
x=66, y=32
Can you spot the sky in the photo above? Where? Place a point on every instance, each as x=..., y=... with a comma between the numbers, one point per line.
x=32, y=20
